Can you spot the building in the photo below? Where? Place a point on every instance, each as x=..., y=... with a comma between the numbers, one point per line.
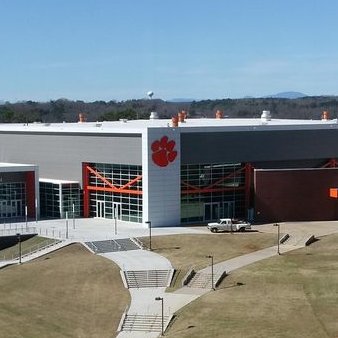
x=19, y=191
x=180, y=171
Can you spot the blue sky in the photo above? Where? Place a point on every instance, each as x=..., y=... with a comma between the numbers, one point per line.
x=203, y=49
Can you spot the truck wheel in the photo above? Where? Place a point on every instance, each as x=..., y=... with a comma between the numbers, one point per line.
x=214, y=230
x=241, y=230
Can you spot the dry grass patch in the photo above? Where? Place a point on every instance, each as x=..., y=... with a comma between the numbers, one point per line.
x=293, y=295
x=186, y=251
x=69, y=293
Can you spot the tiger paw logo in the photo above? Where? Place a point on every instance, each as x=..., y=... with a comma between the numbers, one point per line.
x=163, y=151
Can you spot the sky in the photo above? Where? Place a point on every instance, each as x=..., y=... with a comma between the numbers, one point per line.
x=198, y=49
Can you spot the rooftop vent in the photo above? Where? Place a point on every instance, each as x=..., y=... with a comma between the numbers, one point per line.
x=153, y=115
x=219, y=114
x=174, y=121
x=181, y=116
x=82, y=118
x=266, y=116
x=325, y=115
x=124, y=120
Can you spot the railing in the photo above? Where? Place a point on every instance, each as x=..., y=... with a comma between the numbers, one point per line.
x=138, y=242
x=30, y=250
x=14, y=229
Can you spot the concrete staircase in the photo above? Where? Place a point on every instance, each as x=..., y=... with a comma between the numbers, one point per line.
x=300, y=240
x=145, y=323
x=201, y=280
x=147, y=278
x=113, y=245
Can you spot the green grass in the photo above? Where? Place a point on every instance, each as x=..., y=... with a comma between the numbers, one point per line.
x=292, y=295
x=26, y=247
x=68, y=293
x=190, y=251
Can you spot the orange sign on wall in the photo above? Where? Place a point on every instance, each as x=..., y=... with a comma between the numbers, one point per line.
x=334, y=192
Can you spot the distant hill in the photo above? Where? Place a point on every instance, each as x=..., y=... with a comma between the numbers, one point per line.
x=287, y=95
x=181, y=100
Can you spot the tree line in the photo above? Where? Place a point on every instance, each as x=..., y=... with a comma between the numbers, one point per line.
x=64, y=110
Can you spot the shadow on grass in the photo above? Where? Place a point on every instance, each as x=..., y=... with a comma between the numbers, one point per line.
x=231, y=286
x=167, y=248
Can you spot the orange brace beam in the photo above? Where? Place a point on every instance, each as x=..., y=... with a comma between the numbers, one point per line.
x=210, y=188
x=98, y=175
x=205, y=190
x=233, y=174
x=332, y=163
x=138, y=178
x=120, y=191
x=111, y=187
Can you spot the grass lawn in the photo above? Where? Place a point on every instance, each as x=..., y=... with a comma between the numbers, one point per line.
x=68, y=293
x=185, y=251
x=292, y=295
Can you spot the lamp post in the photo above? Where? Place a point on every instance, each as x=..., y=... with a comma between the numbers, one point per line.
x=19, y=242
x=26, y=216
x=73, y=216
x=115, y=218
x=162, y=314
x=212, y=271
x=149, y=226
x=278, y=233
x=67, y=228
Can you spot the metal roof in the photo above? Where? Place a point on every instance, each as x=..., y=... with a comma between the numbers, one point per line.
x=188, y=126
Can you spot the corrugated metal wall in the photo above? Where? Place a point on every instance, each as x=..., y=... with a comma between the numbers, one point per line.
x=295, y=195
x=59, y=156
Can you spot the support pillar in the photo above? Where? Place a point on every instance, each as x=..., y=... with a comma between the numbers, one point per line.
x=85, y=182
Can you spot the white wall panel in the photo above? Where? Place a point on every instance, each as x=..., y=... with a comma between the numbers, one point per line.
x=161, y=184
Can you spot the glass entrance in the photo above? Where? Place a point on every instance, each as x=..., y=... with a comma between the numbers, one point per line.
x=228, y=210
x=100, y=209
x=3, y=209
x=13, y=208
x=211, y=211
x=16, y=208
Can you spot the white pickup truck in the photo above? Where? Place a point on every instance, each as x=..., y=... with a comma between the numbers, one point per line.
x=228, y=224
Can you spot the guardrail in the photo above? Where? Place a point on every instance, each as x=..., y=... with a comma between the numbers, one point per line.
x=138, y=242
x=22, y=230
x=30, y=250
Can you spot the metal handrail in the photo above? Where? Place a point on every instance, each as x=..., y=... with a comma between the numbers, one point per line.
x=30, y=250
x=22, y=230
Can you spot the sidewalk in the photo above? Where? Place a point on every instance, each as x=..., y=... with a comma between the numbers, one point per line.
x=143, y=299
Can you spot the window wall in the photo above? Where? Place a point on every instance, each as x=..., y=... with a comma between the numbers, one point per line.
x=212, y=191
x=57, y=198
x=112, y=203
x=12, y=199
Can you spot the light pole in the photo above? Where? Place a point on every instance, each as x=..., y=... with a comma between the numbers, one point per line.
x=278, y=235
x=36, y=211
x=26, y=216
x=19, y=242
x=162, y=314
x=73, y=216
x=115, y=218
x=149, y=226
x=67, y=232
x=212, y=271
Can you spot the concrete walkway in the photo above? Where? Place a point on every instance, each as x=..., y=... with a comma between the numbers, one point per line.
x=143, y=300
